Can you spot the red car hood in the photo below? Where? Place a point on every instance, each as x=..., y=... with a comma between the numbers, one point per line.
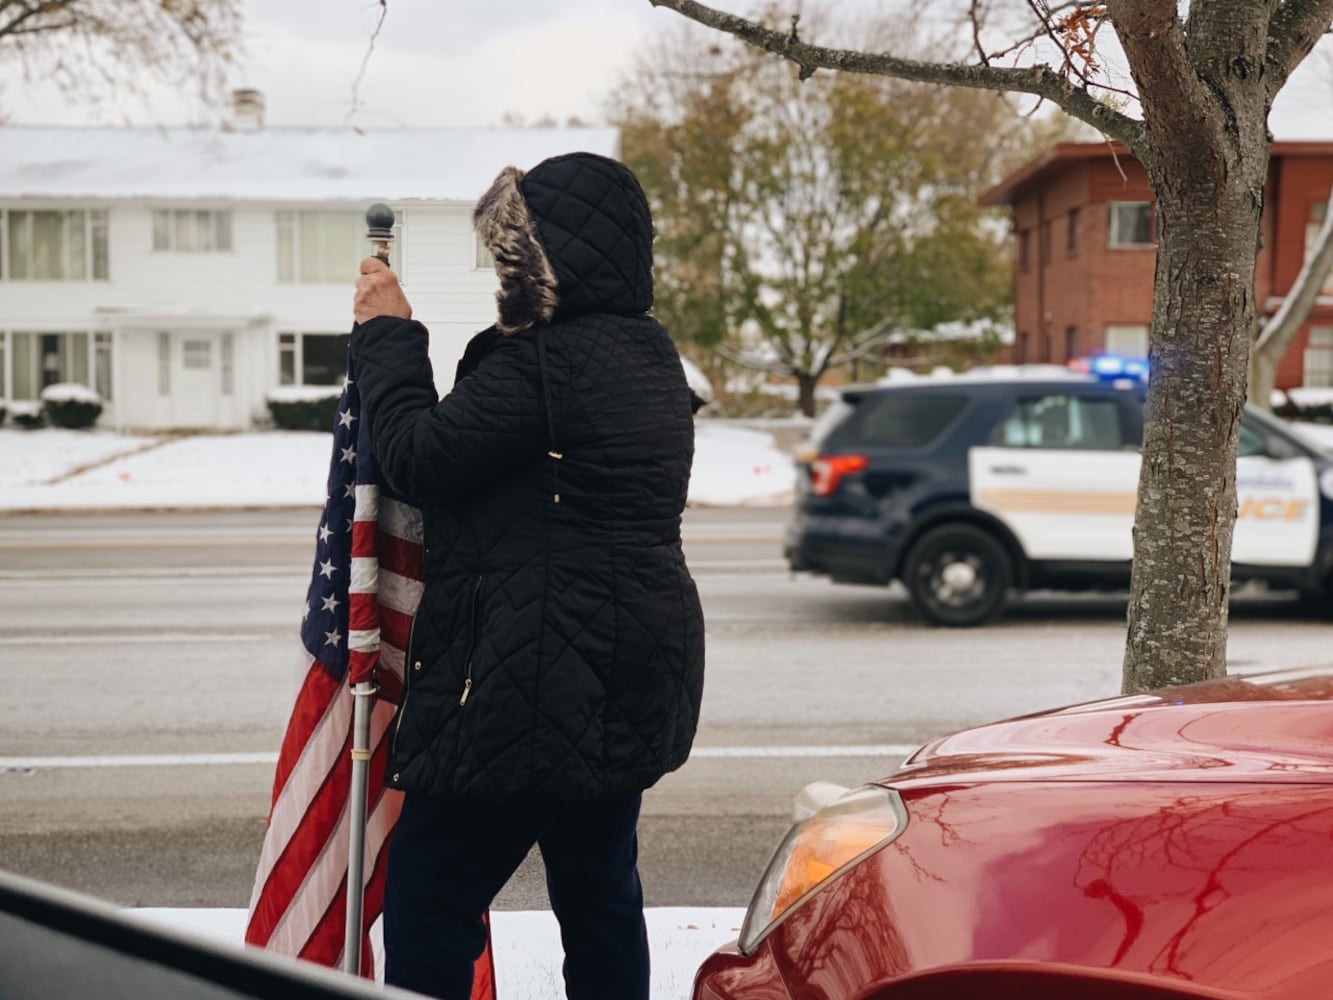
x=1275, y=727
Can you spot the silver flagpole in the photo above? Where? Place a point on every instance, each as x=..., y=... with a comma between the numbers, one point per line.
x=379, y=230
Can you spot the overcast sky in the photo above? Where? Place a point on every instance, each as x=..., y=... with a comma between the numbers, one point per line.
x=469, y=62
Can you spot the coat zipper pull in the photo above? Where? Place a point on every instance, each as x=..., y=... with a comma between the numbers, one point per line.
x=467, y=690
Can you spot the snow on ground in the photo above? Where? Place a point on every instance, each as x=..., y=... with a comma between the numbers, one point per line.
x=527, y=945
x=289, y=468
x=36, y=457
x=736, y=467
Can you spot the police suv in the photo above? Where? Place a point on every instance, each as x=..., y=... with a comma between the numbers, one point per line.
x=969, y=487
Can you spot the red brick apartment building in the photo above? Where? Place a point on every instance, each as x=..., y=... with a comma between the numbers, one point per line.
x=1084, y=249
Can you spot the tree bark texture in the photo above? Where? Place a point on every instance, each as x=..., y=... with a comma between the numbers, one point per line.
x=1206, y=150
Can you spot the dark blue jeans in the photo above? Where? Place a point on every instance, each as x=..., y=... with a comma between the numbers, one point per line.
x=448, y=860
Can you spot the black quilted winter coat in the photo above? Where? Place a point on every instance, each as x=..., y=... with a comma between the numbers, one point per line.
x=558, y=649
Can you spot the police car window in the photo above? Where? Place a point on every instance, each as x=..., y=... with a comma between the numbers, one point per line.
x=1061, y=421
x=896, y=420
x=1252, y=442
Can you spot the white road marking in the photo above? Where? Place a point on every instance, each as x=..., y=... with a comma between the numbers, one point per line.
x=268, y=757
x=143, y=638
x=173, y=575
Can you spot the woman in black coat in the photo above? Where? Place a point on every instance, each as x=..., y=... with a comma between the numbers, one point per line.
x=555, y=667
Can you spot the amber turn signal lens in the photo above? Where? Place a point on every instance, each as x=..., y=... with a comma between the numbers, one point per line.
x=816, y=850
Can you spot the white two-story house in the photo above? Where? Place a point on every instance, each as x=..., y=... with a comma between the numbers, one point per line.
x=183, y=273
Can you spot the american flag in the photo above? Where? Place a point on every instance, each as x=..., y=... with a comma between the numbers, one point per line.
x=364, y=589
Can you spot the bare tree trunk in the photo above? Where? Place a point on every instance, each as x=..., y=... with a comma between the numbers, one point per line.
x=1202, y=323
x=806, y=386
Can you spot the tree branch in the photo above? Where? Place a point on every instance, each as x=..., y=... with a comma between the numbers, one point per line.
x=1296, y=27
x=1174, y=98
x=1278, y=332
x=29, y=11
x=1039, y=81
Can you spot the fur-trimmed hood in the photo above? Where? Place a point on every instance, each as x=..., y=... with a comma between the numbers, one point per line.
x=573, y=235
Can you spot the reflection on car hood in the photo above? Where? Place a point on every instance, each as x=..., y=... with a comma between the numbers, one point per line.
x=1275, y=727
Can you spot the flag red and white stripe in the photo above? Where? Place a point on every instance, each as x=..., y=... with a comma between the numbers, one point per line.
x=365, y=588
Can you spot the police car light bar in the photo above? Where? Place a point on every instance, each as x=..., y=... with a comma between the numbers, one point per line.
x=1112, y=366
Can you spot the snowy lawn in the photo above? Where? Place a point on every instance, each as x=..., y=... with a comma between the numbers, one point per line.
x=732, y=467
x=527, y=945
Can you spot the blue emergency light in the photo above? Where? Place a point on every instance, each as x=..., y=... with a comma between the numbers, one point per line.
x=1110, y=367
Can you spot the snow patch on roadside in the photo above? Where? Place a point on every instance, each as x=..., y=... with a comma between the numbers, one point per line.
x=527, y=944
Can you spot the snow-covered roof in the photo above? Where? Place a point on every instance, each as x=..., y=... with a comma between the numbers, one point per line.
x=276, y=164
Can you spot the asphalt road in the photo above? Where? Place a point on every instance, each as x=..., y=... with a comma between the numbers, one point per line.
x=164, y=637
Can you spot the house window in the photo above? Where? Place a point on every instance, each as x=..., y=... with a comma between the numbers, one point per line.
x=55, y=245
x=164, y=364
x=1318, y=362
x=1131, y=224
x=228, y=364
x=320, y=246
x=1024, y=249
x=312, y=358
x=1128, y=340
x=197, y=354
x=482, y=256
x=191, y=230
x=286, y=359
x=1071, y=232
x=102, y=365
x=42, y=359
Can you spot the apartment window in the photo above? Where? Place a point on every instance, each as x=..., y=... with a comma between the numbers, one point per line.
x=55, y=245
x=1071, y=232
x=42, y=359
x=102, y=365
x=482, y=256
x=191, y=230
x=312, y=358
x=1312, y=228
x=1131, y=340
x=1131, y=224
x=1071, y=342
x=1318, y=361
x=1024, y=249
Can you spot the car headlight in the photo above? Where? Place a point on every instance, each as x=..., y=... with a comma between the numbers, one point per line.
x=1326, y=483
x=817, y=849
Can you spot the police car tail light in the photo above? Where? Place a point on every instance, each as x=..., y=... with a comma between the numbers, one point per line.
x=827, y=471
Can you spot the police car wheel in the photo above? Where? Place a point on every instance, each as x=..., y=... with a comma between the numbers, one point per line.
x=958, y=575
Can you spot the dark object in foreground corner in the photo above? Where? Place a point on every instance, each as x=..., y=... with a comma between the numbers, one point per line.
x=56, y=944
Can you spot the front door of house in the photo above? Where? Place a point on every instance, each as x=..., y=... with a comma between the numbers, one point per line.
x=197, y=385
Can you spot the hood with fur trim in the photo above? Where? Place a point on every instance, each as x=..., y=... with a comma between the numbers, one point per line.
x=573, y=235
